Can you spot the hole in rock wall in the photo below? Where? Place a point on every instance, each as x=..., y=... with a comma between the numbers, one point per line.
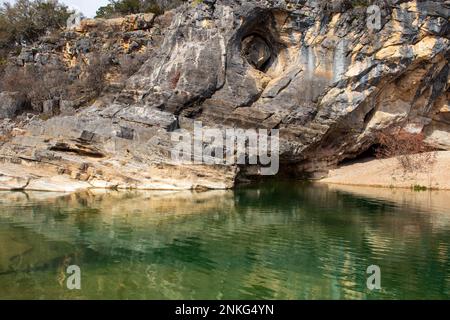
x=257, y=52
x=261, y=41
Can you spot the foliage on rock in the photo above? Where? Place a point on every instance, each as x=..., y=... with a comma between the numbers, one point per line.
x=410, y=149
x=24, y=21
x=118, y=8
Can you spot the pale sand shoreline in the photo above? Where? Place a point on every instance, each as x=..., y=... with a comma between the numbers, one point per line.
x=388, y=173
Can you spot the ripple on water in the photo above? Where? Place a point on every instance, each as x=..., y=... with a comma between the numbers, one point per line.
x=277, y=241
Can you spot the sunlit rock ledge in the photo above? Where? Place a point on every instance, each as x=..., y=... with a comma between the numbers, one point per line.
x=46, y=177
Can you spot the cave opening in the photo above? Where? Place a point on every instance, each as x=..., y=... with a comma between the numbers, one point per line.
x=367, y=155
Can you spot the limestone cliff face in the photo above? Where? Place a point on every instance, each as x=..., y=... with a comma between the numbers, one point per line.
x=319, y=75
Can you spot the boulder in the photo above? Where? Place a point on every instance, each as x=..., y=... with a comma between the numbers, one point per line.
x=67, y=107
x=26, y=56
x=12, y=104
x=51, y=107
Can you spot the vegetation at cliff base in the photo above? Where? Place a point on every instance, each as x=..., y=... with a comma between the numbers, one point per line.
x=46, y=68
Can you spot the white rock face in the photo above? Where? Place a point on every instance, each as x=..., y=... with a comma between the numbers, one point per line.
x=319, y=76
x=57, y=184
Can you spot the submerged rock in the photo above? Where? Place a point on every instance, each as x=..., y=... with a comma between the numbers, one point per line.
x=22, y=250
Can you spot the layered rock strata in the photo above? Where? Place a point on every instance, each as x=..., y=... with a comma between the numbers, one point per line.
x=323, y=77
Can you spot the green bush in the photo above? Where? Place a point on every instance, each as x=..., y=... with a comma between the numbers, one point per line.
x=117, y=8
x=25, y=21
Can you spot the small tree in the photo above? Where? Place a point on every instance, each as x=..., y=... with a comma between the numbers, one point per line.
x=96, y=74
x=118, y=8
x=27, y=20
x=24, y=21
x=410, y=149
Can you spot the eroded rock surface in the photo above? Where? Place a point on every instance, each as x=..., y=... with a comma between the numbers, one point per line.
x=12, y=104
x=319, y=75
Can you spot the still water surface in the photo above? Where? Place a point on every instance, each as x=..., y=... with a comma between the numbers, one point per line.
x=269, y=241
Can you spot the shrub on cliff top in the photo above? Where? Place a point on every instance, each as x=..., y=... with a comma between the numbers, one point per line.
x=117, y=8
x=25, y=20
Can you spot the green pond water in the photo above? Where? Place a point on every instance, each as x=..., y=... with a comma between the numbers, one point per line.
x=268, y=241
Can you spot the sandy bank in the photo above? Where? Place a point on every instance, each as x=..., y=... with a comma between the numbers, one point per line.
x=390, y=173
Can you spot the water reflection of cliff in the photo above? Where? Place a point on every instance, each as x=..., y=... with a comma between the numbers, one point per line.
x=279, y=240
x=93, y=216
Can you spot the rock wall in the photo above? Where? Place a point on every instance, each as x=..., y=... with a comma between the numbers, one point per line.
x=319, y=75
x=116, y=46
